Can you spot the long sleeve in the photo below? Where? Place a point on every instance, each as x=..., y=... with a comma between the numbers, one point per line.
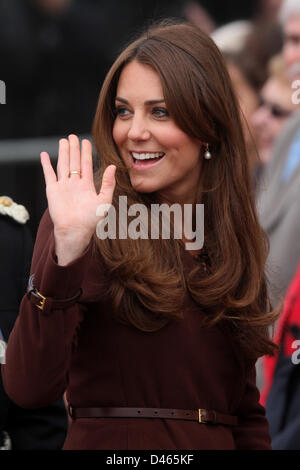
x=252, y=432
x=39, y=348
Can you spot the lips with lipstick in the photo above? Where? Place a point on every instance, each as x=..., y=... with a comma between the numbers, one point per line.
x=142, y=160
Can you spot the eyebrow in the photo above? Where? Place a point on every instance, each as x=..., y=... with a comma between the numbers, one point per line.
x=149, y=102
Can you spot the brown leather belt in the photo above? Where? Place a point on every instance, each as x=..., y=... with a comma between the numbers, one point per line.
x=201, y=415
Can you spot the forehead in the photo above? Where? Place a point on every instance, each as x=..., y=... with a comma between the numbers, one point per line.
x=277, y=92
x=292, y=26
x=274, y=86
x=139, y=80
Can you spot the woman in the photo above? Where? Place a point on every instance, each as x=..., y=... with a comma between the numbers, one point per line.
x=155, y=345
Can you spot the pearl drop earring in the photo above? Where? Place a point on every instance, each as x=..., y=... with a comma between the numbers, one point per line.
x=207, y=154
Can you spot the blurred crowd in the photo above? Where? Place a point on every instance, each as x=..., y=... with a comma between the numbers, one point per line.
x=54, y=55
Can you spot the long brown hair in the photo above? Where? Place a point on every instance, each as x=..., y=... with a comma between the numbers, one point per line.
x=148, y=283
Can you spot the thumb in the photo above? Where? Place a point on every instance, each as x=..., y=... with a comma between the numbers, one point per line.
x=108, y=184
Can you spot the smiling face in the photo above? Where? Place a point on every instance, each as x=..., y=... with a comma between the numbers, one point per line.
x=159, y=155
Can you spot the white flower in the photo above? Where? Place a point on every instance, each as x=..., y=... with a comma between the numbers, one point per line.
x=14, y=210
x=7, y=442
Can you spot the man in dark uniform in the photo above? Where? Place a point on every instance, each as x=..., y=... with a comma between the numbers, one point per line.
x=20, y=429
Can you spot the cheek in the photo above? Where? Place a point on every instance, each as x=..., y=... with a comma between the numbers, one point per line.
x=118, y=133
x=276, y=127
x=179, y=141
x=191, y=149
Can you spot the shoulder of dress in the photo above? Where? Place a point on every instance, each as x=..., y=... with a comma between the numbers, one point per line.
x=16, y=211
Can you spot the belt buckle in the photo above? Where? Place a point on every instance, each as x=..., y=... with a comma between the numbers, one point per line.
x=42, y=300
x=203, y=418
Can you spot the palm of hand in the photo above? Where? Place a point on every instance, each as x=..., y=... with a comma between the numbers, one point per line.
x=72, y=197
x=72, y=205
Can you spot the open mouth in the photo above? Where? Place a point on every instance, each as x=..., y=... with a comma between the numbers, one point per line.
x=147, y=159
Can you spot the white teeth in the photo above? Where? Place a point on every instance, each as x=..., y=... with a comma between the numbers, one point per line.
x=146, y=156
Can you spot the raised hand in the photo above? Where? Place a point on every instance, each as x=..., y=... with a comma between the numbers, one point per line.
x=72, y=197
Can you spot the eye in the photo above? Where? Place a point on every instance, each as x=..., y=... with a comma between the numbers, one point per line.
x=160, y=112
x=121, y=111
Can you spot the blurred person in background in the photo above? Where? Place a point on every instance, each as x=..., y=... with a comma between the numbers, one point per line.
x=247, y=48
x=246, y=59
x=275, y=106
x=290, y=18
x=280, y=214
x=36, y=429
x=281, y=393
x=278, y=196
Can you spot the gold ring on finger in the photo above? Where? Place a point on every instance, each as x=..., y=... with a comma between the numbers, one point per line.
x=75, y=172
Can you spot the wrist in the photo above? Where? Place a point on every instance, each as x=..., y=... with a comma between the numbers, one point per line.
x=69, y=247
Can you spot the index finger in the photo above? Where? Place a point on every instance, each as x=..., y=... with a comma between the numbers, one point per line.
x=49, y=173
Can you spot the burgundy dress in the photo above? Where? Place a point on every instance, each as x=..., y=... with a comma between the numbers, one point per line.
x=100, y=362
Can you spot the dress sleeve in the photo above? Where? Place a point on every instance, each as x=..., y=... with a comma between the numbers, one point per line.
x=39, y=349
x=252, y=431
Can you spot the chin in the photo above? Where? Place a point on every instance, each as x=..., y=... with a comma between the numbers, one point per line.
x=143, y=186
x=144, y=189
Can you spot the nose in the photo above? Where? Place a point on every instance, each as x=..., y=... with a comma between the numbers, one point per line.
x=138, y=129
